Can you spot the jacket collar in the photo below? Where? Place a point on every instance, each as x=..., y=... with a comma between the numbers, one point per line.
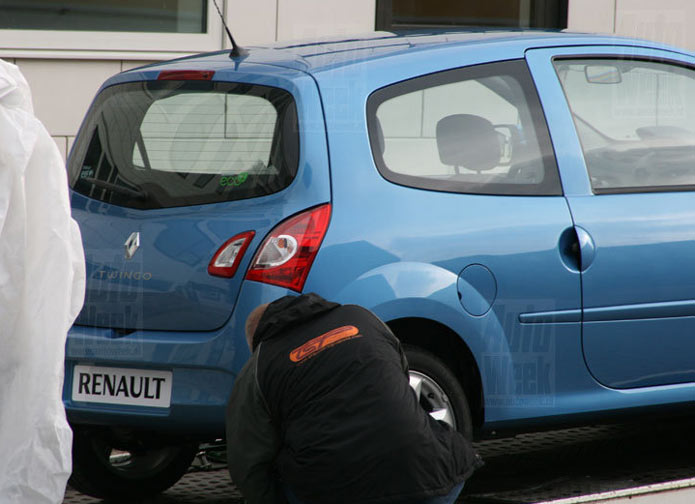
x=289, y=311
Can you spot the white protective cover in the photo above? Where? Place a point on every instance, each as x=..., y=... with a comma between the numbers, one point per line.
x=41, y=292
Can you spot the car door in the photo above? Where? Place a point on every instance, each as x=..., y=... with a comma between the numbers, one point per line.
x=630, y=112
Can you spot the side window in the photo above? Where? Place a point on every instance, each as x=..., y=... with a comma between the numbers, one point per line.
x=635, y=120
x=473, y=130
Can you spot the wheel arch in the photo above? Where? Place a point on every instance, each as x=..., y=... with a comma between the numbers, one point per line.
x=452, y=350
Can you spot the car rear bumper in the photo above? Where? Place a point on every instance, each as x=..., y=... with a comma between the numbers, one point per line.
x=203, y=366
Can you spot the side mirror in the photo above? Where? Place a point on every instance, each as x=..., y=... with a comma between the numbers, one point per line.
x=602, y=74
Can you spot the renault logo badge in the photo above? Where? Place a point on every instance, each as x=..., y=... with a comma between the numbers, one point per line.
x=132, y=244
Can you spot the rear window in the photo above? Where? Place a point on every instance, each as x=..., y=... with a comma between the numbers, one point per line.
x=161, y=144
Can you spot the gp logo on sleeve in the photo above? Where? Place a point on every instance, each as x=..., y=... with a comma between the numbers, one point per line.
x=326, y=340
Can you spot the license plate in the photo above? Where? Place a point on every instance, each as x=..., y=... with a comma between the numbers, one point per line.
x=134, y=387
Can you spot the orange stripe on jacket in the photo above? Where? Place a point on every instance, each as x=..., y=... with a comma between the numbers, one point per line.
x=320, y=343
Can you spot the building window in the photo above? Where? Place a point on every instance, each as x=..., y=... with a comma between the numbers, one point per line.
x=408, y=14
x=143, y=29
x=166, y=16
x=108, y=29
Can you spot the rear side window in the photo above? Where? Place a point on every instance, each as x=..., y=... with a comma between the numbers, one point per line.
x=476, y=130
x=635, y=120
x=171, y=143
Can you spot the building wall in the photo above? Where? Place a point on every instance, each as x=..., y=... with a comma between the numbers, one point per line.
x=64, y=80
x=662, y=21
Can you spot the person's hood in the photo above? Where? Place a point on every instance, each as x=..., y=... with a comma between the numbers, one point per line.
x=289, y=311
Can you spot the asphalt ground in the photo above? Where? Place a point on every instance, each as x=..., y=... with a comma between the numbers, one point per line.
x=525, y=469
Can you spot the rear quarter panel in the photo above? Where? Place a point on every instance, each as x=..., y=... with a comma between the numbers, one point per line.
x=398, y=251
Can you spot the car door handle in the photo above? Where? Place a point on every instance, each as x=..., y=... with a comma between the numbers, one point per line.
x=577, y=248
x=587, y=248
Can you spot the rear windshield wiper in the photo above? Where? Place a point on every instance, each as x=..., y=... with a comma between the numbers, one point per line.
x=116, y=188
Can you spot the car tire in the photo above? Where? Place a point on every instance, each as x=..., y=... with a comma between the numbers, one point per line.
x=106, y=468
x=439, y=391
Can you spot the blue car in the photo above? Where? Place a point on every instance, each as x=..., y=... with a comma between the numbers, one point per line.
x=518, y=207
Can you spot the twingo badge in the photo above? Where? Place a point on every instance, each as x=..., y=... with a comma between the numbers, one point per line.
x=326, y=340
x=132, y=244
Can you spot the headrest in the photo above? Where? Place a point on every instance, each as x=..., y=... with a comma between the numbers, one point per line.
x=469, y=141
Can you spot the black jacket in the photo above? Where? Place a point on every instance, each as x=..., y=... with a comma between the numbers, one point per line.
x=324, y=404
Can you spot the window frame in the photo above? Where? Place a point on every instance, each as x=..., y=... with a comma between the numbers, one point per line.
x=20, y=42
x=550, y=14
x=599, y=191
x=518, y=70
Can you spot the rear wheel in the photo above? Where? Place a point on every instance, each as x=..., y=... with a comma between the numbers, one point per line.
x=438, y=390
x=112, y=463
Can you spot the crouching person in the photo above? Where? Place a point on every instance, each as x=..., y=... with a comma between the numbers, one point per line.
x=323, y=414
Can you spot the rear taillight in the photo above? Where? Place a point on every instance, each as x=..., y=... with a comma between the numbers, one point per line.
x=285, y=256
x=226, y=260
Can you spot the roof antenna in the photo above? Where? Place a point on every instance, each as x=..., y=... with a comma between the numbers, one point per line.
x=237, y=51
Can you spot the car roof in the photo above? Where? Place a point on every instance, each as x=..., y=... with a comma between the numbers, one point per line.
x=316, y=56
x=287, y=60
